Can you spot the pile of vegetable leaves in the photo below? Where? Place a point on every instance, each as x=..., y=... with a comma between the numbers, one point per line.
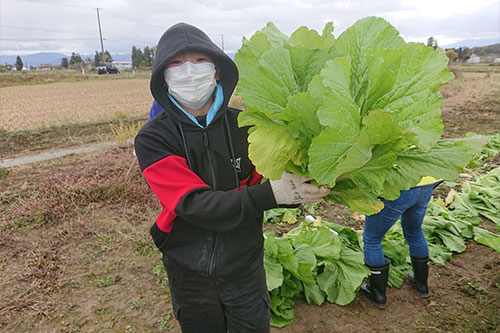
x=314, y=261
x=360, y=113
x=320, y=260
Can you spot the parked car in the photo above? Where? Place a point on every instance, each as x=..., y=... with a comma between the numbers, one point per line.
x=107, y=68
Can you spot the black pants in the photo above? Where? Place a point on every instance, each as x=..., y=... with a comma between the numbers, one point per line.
x=219, y=304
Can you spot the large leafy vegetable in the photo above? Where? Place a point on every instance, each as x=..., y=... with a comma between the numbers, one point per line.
x=312, y=262
x=360, y=113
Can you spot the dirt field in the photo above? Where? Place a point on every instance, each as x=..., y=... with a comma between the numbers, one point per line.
x=76, y=255
x=36, y=107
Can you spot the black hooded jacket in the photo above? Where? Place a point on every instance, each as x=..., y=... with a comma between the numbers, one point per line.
x=212, y=198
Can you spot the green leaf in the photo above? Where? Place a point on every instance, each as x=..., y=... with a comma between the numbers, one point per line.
x=451, y=241
x=274, y=272
x=308, y=53
x=323, y=242
x=260, y=151
x=307, y=262
x=341, y=278
x=248, y=55
x=365, y=35
x=360, y=113
x=444, y=161
x=438, y=253
x=487, y=238
x=282, y=313
x=314, y=294
x=269, y=85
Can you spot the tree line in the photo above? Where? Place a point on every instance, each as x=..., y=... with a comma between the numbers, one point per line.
x=462, y=54
x=77, y=61
x=140, y=58
x=145, y=58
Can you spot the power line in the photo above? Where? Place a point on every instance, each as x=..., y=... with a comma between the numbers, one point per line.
x=128, y=39
x=41, y=29
x=135, y=20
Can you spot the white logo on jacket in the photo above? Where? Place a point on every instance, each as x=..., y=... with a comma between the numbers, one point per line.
x=237, y=164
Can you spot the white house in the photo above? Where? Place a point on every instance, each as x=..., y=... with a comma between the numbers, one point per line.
x=122, y=65
x=475, y=59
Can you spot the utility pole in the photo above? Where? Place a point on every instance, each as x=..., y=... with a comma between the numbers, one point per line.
x=100, y=34
x=222, y=35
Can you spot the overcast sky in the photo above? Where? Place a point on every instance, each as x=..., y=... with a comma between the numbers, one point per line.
x=66, y=26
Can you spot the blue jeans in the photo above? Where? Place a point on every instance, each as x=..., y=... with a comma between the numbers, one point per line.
x=411, y=207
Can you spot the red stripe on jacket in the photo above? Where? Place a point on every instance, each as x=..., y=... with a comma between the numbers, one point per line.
x=253, y=179
x=170, y=179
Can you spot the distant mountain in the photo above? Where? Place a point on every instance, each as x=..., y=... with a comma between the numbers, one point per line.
x=470, y=43
x=118, y=57
x=36, y=59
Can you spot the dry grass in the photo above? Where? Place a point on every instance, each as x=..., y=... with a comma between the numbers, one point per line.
x=34, y=107
x=470, y=87
x=472, y=102
x=237, y=102
x=8, y=78
x=123, y=132
x=74, y=251
x=45, y=106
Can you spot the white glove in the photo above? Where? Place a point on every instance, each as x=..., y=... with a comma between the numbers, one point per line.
x=292, y=189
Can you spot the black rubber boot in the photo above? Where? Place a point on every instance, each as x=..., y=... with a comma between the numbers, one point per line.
x=378, y=283
x=418, y=279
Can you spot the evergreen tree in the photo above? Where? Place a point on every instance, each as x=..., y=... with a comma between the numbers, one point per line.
x=19, y=63
x=107, y=56
x=432, y=42
x=153, y=53
x=464, y=53
x=64, y=63
x=75, y=59
x=147, y=57
x=97, y=59
x=137, y=57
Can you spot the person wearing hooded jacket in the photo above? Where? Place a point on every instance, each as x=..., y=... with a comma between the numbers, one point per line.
x=194, y=157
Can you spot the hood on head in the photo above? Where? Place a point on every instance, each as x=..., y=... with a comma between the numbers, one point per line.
x=182, y=37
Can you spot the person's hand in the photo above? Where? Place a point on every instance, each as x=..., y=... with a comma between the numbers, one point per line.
x=292, y=189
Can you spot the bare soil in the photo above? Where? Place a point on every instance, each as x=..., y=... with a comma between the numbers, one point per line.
x=22, y=143
x=76, y=256
x=43, y=106
x=471, y=104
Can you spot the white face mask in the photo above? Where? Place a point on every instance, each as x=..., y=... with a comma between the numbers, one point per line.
x=191, y=84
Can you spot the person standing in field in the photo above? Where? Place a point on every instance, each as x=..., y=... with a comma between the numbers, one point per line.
x=411, y=207
x=155, y=110
x=194, y=157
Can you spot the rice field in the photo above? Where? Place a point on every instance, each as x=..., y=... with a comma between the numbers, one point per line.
x=35, y=107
